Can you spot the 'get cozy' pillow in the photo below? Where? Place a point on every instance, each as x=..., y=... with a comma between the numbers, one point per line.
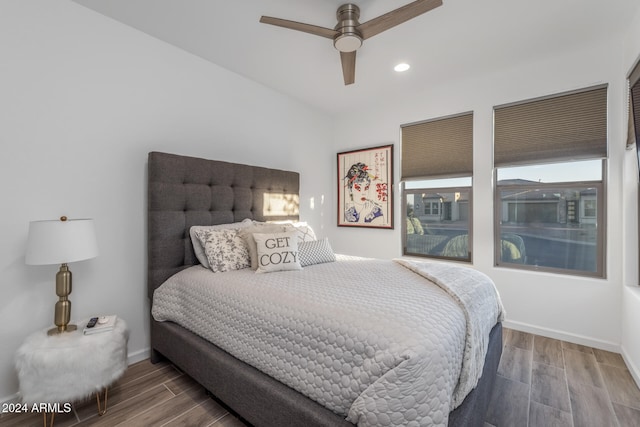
x=277, y=251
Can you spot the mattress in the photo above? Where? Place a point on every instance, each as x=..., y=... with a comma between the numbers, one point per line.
x=375, y=341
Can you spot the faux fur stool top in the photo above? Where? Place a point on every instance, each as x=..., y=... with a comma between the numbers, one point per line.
x=71, y=366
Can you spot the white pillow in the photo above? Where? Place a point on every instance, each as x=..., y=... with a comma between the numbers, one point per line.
x=224, y=248
x=258, y=227
x=277, y=252
x=198, y=247
x=316, y=252
x=305, y=232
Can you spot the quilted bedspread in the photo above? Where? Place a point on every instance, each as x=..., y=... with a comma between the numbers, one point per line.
x=380, y=342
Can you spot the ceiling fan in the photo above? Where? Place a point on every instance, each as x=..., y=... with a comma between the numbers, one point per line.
x=348, y=34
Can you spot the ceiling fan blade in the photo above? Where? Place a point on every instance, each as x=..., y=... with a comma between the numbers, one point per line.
x=299, y=26
x=396, y=17
x=348, y=60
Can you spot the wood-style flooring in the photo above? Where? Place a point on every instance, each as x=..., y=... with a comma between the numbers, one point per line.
x=541, y=382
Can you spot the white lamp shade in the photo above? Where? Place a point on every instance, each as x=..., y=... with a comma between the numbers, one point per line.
x=59, y=242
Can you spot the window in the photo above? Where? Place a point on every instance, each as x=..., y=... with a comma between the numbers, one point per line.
x=550, y=191
x=437, y=222
x=590, y=207
x=547, y=224
x=437, y=164
x=432, y=207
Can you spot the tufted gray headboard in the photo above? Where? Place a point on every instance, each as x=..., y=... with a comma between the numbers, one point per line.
x=185, y=191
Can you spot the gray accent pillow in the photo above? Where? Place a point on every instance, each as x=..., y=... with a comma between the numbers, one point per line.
x=315, y=252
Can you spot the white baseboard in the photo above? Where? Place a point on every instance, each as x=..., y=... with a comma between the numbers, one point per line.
x=132, y=358
x=635, y=370
x=564, y=336
x=138, y=356
x=10, y=399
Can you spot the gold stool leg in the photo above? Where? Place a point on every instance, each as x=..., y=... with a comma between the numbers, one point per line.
x=102, y=409
x=44, y=414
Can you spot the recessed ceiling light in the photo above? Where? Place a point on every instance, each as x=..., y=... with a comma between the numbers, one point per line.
x=402, y=67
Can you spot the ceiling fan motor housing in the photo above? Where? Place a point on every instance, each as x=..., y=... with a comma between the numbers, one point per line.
x=349, y=38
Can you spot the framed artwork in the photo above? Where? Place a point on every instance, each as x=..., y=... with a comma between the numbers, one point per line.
x=365, y=180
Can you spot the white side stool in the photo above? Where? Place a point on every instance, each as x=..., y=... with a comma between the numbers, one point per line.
x=70, y=367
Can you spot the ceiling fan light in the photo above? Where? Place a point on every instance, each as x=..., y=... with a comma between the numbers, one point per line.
x=403, y=66
x=347, y=42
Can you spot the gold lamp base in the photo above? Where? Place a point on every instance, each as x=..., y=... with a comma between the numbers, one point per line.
x=63, y=306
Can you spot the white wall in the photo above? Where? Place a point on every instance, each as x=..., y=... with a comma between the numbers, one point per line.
x=630, y=345
x=83, y=100
x=583, y=310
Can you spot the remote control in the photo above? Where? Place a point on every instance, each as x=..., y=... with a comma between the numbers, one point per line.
x=92, y=322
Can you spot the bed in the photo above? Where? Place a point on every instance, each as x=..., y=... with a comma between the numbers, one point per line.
x=186, y=191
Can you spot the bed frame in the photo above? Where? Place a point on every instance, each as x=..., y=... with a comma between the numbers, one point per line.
x=185, y=191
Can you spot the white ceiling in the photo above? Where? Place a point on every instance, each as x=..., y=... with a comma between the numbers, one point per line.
x=462, y=36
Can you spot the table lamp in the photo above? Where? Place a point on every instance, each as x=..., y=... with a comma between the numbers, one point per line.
x=61, y=242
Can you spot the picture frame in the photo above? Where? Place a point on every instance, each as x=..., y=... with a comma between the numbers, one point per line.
x=365, y=184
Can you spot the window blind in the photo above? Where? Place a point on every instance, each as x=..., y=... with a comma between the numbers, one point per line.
x=634, y=106
x=439, y=147
x=559, y=128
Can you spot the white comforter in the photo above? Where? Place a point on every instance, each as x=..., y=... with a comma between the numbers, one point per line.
x=369, y=339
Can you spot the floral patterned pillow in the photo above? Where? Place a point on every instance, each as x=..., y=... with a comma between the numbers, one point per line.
x=225, y=249
x=198, y=247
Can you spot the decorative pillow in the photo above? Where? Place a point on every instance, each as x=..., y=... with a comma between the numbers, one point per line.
x=277, y=252
x=198, y=247
x=224, y=248
x=316, y=252
x=247, y=236
x=305, y=232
